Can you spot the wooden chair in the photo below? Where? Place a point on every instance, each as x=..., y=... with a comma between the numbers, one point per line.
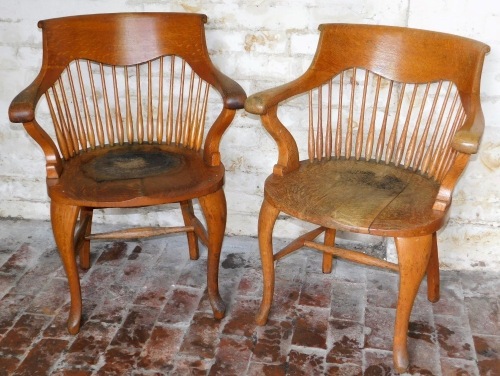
x=134, y=124
x=393, y=116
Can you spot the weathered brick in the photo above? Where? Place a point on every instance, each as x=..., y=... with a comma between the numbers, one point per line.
x=161, y=348
x=41, y=357
x=311, y=328
x=201, y=338
x=180, y=306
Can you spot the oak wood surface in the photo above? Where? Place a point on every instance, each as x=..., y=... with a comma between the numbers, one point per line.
x=134, y=123
x=391, y=116
x=81, y=181
x=358, y=196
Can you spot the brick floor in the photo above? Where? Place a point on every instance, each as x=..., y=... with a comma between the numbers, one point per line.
x=146, y=312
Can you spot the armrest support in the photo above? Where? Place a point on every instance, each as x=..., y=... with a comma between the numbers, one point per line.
x=22, y=110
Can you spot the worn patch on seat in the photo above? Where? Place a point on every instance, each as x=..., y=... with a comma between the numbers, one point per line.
x=123, y=165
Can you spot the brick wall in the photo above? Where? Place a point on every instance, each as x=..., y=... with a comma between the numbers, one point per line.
x=261, y=44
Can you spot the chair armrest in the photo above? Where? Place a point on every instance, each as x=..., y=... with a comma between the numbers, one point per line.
x=232, y=93
x=260, y=103
x=467, y=138
x=22, y=107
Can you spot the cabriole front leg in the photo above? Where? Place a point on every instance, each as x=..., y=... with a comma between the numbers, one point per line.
x=267, y=219
x=63, y=218
x=214, y=210
x=413, y=258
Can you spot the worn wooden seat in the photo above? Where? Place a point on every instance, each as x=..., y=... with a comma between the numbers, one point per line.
x=391, y=116
x=125, y=115
x=358, y=196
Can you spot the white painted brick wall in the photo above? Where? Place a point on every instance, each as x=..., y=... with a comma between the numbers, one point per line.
x=263, y=43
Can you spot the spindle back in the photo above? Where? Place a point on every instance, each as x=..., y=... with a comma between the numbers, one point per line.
x=361, y=115
x=160, y=101
x=125, y=78
x=388, y=94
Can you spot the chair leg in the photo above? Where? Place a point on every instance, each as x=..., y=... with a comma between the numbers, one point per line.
x=63, y=218
x=413, y=258
x=433, y=273
x=214, y=210
x=267, y=219
x=84, y=252
x=187, y=215
x=327, y=257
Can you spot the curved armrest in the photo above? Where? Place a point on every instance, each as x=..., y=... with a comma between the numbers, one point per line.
x=260, y=103
x=22, y=107
x=467, y=138
x=232, y=93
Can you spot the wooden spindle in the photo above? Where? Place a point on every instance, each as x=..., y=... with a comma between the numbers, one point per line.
x=311, y=142
x=402, y=140
x=328, y=136
x=413, y=140
x=170, y=109
x=107, y=110
x=149, y=124
x=140, y=117
x=118, y=113
x=423, y=140
x=201, y=127
x=371, y=133
x=159, y=118
x=338, y=134
x=178, y=121
x=445, y=163
x=444, y=138
x=429, y=154
x=82, y=137
x=348, y=138
x=129, y=122
x=359, y=138
x=319, y=129
x=189, y=112
x=457, y=117
x=64, y=124
x=61, y=140
x=381, y=138
x=89, y=128
x=69, y=118
x=394, y=131
x=97, y=113
x=195, y=121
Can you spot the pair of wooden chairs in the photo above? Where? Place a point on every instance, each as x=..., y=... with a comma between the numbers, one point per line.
x=393, y=115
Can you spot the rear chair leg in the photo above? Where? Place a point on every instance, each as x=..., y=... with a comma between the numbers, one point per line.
x=327, y=257
x=187, y=215
x=84, y=251
x=433, y=273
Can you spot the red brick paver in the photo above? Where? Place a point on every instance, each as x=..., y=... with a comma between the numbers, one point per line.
x=146, y=312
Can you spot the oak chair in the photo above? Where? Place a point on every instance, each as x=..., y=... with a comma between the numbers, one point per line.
x=392, y=115
x=130, y=121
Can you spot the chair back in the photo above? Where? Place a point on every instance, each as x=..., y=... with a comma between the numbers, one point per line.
x=125, y=78
x=390, y=94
